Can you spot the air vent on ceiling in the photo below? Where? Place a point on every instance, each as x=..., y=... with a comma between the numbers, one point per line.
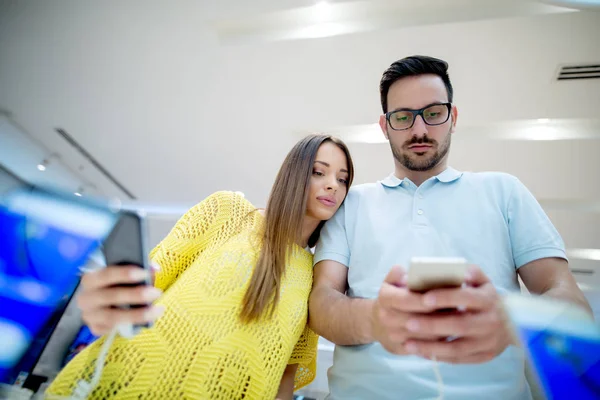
x=570, y=72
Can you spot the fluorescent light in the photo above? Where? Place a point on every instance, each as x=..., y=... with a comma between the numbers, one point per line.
x=537, y=130
x=321, y=30
x=369, y=133
x=322, y=7
x=577, y=4
x=41, y=167
x=518, y=130
x=322, y=12
x=585, y=287
x=584, y=254
x=77, y=194
x=543, y=133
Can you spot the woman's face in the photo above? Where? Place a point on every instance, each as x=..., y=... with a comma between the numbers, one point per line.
x=329, y=182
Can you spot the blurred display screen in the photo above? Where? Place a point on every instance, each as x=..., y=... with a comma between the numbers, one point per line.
x=563, y=345
x=44, y=240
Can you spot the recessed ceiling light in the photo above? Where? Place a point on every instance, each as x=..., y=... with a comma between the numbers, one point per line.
x=46, y=161
x=79, y=192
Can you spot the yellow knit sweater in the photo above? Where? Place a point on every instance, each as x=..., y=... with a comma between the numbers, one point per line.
x=199, y=349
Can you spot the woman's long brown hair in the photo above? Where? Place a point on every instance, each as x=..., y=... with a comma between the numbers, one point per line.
x=285, y=212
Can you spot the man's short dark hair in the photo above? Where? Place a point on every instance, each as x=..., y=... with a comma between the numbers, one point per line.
x=413, y=66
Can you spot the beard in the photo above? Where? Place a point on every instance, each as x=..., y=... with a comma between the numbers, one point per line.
x=419, y=161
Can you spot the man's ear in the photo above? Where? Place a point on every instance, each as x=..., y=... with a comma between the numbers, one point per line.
x=454, y=115
x=383, y=125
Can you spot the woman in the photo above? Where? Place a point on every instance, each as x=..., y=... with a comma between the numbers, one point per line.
x=233, y=283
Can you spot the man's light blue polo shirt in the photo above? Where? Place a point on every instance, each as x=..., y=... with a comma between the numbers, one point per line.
x=490, y=219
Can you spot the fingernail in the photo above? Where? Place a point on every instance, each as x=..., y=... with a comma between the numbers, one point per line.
x=411, y=348
x=412, y=325
x=151, y=293
x=154, y=313
x=470, y=272
x=154, y=266
x=429, y=300
x=139, y=274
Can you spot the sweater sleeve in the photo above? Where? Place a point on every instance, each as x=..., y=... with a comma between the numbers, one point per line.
x=305, y=355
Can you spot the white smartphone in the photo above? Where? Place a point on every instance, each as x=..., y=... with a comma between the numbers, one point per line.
x=427, y=273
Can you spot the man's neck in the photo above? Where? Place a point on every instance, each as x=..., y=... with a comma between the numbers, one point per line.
x=418, y=177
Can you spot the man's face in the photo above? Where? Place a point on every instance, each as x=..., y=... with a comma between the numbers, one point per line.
x=421, y=147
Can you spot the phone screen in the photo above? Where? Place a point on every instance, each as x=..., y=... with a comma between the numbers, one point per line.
x=125, y=244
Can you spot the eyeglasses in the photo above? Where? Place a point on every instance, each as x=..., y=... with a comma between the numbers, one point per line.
x=435, y=114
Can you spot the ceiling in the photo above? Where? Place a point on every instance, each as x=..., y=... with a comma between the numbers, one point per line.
x=180, y=99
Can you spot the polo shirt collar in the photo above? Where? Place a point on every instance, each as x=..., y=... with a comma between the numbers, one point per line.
x=446, y=176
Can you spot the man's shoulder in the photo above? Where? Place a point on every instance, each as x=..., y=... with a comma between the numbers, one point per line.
x=491, y=179
x=364, y=191
x=361, y=196
x=365, y=188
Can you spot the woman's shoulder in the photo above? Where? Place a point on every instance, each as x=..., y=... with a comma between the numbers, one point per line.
x=302, y=257
x=223, y=204
x=228, y=196
x=222, y=213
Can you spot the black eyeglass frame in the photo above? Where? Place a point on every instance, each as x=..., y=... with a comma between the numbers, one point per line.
x=416, y=113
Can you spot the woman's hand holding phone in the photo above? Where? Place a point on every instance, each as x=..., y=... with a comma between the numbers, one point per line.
x=104, y=293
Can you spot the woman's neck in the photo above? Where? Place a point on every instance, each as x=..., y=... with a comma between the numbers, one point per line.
x=309, y=224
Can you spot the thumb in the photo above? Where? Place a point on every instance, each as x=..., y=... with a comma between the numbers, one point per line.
x=396, y=276
x=476, y=277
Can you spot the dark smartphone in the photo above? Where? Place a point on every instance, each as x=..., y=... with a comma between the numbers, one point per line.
x=126, y=245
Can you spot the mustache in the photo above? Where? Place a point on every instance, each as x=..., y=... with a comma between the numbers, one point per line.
x=420, y=140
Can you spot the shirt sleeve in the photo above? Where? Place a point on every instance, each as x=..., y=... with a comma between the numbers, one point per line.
x=333, y=241
x=532, y=234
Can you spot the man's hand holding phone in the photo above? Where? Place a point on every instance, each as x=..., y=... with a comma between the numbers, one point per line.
x=408, y=321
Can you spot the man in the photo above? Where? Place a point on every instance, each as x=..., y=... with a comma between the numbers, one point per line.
x=390, y=343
